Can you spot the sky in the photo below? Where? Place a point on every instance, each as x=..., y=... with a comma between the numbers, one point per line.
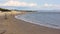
x=34, y=4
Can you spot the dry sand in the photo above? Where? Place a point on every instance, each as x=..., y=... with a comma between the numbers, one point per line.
x=15, y=26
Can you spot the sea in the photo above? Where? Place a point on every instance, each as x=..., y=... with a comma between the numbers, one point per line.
x=47, y=19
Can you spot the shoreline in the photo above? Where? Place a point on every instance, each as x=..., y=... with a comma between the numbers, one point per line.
x=45, y=25
x=15, y=26
x=39, y=29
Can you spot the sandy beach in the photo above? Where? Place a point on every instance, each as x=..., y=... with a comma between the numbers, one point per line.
x=11, y=25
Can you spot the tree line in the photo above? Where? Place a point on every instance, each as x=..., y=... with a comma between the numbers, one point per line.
x=4, y=10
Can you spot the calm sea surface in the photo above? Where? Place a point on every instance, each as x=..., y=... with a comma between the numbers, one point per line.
x=48, y=19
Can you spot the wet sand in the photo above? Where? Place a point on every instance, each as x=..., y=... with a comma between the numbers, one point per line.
x=11, y=25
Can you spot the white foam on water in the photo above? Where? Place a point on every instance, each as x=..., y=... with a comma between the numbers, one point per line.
x=46, y=25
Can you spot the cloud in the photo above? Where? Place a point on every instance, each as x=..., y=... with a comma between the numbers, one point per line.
x=33, y=5
x=49, y=6
x=17, y=3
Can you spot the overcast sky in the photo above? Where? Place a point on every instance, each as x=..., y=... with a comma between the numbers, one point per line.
x=37, y=4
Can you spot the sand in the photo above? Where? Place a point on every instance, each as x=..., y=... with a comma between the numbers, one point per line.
x=11, y=25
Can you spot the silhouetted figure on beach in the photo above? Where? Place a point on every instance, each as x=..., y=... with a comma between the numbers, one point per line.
x=6, y=16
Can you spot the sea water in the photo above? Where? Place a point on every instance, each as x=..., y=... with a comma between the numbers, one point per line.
x=47, y=19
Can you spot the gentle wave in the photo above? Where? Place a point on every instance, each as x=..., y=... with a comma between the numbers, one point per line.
x=40, y=22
